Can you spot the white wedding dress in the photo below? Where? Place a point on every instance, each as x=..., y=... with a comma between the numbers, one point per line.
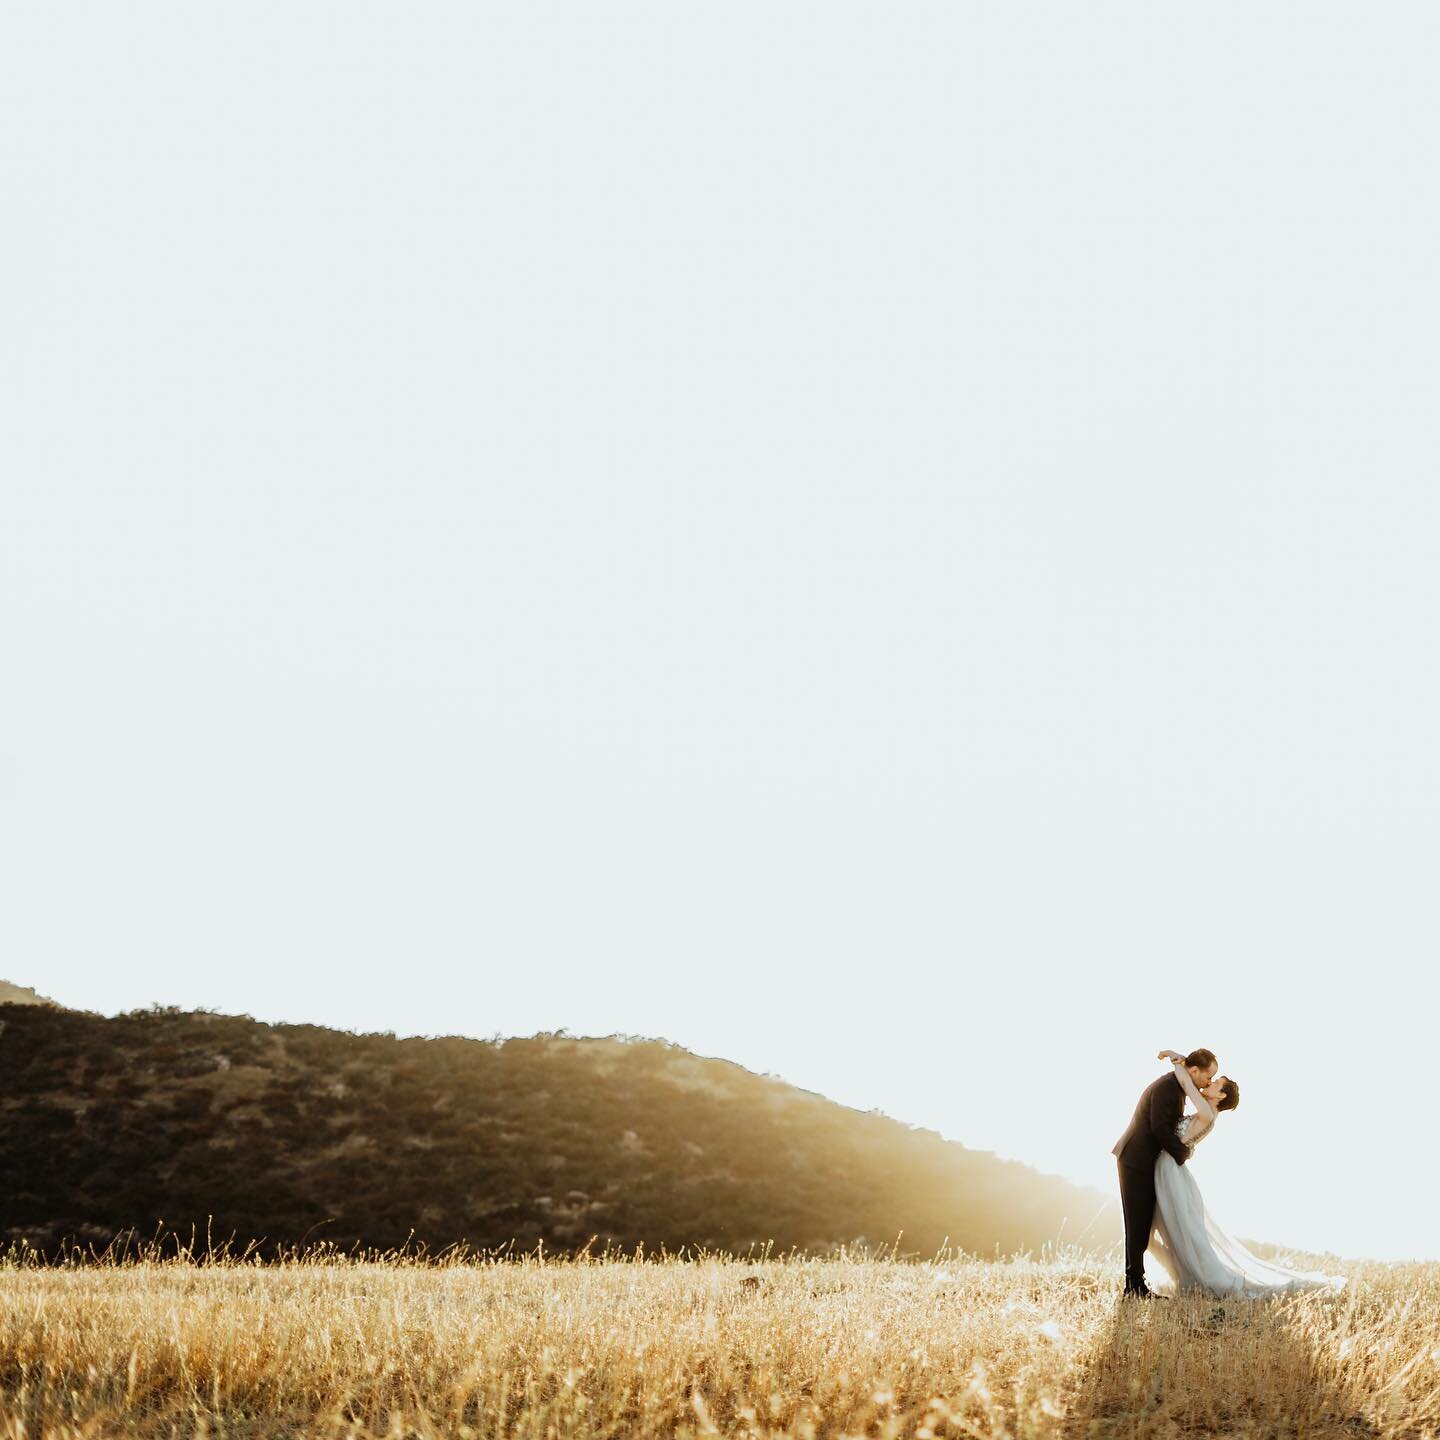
x=1200, y=1256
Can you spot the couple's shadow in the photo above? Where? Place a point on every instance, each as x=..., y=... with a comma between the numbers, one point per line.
x=1196, y=1365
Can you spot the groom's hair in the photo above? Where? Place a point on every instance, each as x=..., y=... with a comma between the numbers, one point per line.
x=1230, y=1100
x=1201, y=1059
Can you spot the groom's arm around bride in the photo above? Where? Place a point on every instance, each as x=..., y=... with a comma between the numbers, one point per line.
x=1152, y=1127
x=1167, y=1104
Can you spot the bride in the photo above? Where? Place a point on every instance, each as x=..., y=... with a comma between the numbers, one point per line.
x=1195, y=1252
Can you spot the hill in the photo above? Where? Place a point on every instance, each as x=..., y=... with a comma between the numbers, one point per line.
x=282, y=1132
x=20, y=995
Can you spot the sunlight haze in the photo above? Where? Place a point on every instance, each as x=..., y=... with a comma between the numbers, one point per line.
x=892, y=545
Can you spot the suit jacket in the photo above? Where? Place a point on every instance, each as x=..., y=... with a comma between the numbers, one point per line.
x=1152, y=1127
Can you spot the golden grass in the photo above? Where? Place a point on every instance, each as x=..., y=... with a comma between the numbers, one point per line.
x=616, y=1347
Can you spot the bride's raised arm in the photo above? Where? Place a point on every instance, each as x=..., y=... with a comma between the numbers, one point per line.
x=1203, y=1107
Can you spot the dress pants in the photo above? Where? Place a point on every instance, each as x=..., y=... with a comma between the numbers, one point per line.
x=1137, y=1203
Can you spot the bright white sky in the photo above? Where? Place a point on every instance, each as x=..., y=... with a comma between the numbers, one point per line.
x=892, y=544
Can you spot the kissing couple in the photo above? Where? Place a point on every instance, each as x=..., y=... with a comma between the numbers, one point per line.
x=1160, y=1197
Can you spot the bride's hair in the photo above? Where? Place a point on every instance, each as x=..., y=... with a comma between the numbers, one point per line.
x=1230, y=1100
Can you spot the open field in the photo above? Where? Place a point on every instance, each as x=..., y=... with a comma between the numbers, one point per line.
x=329, y=1347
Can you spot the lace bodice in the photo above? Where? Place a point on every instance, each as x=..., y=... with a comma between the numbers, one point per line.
x=1186, y=1124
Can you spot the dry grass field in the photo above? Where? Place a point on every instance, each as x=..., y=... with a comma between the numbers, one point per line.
x=330, y=1347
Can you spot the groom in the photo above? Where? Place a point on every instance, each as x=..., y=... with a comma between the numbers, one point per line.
x=1152, y=1129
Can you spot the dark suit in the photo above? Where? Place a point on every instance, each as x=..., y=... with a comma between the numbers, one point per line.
x=1152, y=1129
